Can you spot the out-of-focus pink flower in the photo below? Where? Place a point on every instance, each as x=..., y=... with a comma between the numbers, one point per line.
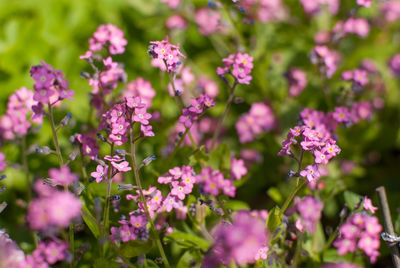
x=208, y=21
x=176, y=22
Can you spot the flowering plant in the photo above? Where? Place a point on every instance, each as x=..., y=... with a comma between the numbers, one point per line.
x=233, y=142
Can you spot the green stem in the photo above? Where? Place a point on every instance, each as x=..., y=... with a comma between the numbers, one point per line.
x=106, y=215
x=291, y=196
x=219, y=126
x=61, y=163
x=55, y=139
x=83, y=166
x=146, y=208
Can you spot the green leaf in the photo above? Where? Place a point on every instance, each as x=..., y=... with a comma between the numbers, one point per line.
x=135, y=248
x=198, y=157
x=90, y=221
x=274, y=219
x=352, y=199
x=220, y=159
x=105, y=263
x=236, y=205
x=188, y=260
x=188, y=240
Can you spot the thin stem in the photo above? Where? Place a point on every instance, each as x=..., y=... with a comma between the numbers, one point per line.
x=61, y=163
x=106, y=216
x=146, y=208
x=387, y=220
x=55, y=139
x=179, y=102
x=228, y=104
x=296, y=188
x=291, y=196
x=83, y=166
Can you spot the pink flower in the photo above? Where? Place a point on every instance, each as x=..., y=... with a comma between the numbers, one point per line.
x=62, y=208
x=100, y=173
x=167, y=53
x=63, y=176
x=108, y=34
x=54, y=250
x=238, y=169
x=311, y=172
x=208, y=21
x=366, y=3
x=262, y=253
x=176, y=22
x=121, y=167
x=297, y=81
x=367, y=204
x=240, y=241
x=141, y=116
x=241, y=65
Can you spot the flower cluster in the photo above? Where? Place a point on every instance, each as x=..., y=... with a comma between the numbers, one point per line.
x=121, y=117
x=50, y=85
x=88, y=145
x=49, y=252
x=239, y=65
x=110, y=37
x=140, y=88
x=263, y=10
x=361, y=231
x=15, y=122
x=240, y=242
x=315, y=6
x=315, y=141
x=259, y=119
x=10, y=254
x=310, y=210
x=326, y=59
x=391, y=10
x=181, y=181
x=197, y=107
x=208, y=21
x=167, y=53
x=213, y=182
x=53, y=208
x=132, y=229
x=357, y=76
x=297, y=81
x=358, y=26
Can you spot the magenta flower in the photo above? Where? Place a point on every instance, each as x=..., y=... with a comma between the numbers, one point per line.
x=366, y=3
x=109, y=36
x=310, y=210
x=63, y=176
x=54, y=250
x=62, y=208
x=147, y=131
x=100, y=173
